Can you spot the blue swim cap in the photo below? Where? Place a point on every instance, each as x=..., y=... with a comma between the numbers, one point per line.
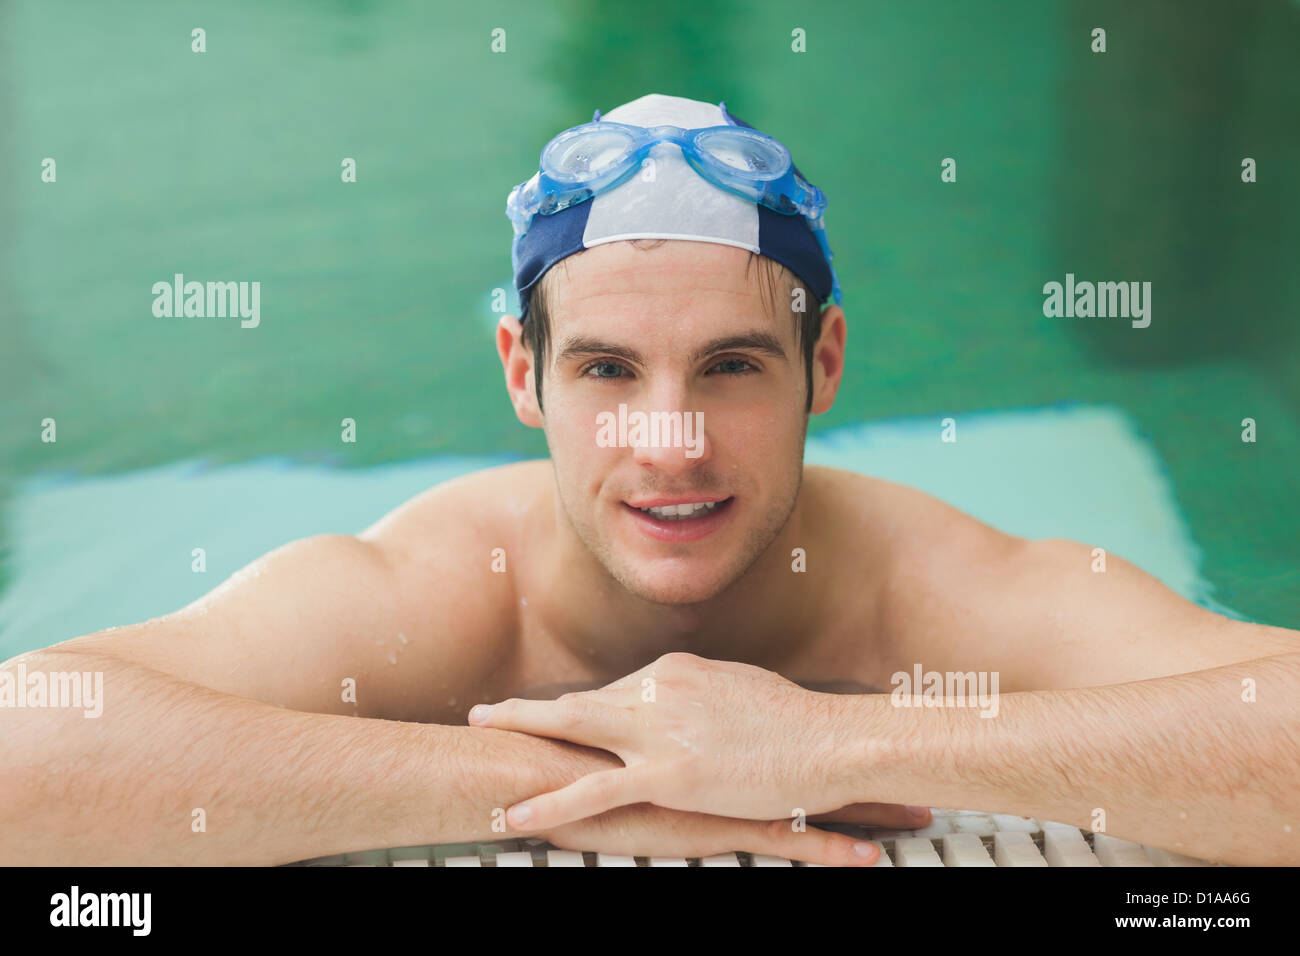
x=677, y=203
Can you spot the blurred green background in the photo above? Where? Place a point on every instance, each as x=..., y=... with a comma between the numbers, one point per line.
x=376, y=296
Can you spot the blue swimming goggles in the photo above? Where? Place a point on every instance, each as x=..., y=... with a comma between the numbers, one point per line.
x=584, y=161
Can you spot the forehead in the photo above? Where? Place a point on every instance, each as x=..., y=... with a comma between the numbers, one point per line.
x=672, y=276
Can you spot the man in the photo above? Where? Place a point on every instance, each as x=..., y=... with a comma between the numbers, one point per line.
x=316, y=702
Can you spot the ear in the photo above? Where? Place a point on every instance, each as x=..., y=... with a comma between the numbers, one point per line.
x=828, y=360
x=517, y=361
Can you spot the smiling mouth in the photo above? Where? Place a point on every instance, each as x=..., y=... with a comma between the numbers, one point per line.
x=687, y=511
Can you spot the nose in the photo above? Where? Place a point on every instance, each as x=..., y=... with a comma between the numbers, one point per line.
x=675, y=437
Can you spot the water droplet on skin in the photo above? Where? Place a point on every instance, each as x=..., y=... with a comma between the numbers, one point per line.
x=524, y=601
x=687, y=740
x=392, y=658
x=402, y=638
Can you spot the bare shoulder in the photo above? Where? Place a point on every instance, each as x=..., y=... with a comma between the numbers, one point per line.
x=445, y=548
x=915, y=560
x=902, y=524
x=473, y=507
x=953, y=592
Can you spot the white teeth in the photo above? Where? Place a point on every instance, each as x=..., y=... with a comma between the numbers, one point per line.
x=678, y=512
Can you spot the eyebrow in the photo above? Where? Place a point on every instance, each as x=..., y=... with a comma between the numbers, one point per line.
x=756, y=340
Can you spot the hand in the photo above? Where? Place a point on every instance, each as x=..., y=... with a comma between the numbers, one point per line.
x=646, y=830
x=696, y=735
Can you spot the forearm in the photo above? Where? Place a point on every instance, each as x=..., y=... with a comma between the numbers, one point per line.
x=272, y=785
x=1180, y=762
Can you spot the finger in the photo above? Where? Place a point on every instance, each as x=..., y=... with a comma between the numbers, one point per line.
x=892, y=815
x=811, y=845
x=591, y=795
x=578, y=719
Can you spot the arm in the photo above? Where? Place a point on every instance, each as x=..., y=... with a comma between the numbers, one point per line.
x=234, y=705
x=275, y=785
x=1192, y=763
x=1182, y=762
x=1116, y=694
x=1182, y=759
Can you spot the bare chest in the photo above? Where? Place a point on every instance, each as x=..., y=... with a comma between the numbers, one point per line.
x=836, y=656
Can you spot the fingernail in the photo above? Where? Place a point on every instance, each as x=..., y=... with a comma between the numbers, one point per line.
x=521, y=814
x=479, y=713
x=919, y=812
x=863, y=849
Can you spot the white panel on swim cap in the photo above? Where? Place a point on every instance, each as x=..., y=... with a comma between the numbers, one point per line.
x=678, y=203
x=655, y=109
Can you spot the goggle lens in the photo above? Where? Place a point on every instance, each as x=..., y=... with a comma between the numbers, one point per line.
x=746, y=154
x=586, y=155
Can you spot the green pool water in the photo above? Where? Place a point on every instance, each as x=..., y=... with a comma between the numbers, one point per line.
x=377, y=296
x=1096, y=482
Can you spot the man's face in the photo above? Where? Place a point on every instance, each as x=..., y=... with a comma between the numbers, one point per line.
x=682, y=327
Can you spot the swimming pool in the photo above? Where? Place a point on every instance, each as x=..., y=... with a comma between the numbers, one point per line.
x=376, y=295
x=1072, y=472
